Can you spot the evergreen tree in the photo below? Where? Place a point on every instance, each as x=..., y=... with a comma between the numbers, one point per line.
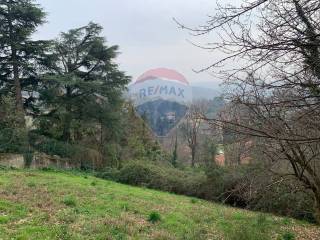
x=84, y=83
x=19, y=54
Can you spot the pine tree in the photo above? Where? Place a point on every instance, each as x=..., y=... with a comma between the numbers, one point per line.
x=84, y=83
x=19, y=54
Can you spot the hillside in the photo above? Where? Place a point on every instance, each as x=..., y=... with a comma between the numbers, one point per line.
x=51, y=205
x=205, y=93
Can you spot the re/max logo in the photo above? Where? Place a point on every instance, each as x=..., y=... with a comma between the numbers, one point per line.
x=162, y=90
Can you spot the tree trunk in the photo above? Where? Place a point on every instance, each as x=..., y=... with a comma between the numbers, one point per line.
x=17, y=85
x=15, y=68
x=66, y=135
x=317, y=207
x=17, y=90
x=193, y=156
x=68, y=119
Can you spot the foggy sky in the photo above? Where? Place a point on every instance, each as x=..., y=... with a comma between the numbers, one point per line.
x=144, y=29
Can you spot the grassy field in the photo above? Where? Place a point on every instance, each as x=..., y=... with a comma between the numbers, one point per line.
x=56, y=205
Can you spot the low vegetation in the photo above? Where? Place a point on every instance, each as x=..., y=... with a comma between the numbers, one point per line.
x=61, y=205
x=232, y=186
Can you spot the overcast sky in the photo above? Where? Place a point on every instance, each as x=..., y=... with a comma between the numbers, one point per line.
x=144, y=30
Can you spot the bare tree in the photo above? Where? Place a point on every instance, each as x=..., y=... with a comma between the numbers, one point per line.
x=191, y=126
x=273, y=47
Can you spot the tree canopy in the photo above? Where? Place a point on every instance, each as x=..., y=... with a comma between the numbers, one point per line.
x=83, y=81
x=20, y=55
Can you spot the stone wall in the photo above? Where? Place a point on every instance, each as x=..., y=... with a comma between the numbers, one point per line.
x=40, y=160
x=12, y=160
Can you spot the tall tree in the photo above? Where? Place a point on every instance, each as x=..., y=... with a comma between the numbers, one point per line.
x=84, y=83
x=273, y=48
x=18, y=53
x=191, y=126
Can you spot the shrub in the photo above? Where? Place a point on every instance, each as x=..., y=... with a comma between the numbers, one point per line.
x=161, y=177
x=94, y=183
x=138, y=174
x=235, y=187
x=53, y=147
x=13, y=135
x=285, y=199
x=69, y=201
x=154, y=217
x=79, y=156
x=222, y=184
x=288, y=236
x=194, y=201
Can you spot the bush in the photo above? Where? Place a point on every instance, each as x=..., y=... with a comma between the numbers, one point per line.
x=154, y=217
x=161, y=177
x=254, y=188
x=139, y=174
x=69, y=201
x=13, y=134
x=52, y=146
x=222, y=184
x=288, y=236
x=287, y=198
x=13, y=140
x=109, y=174
x=78, y=156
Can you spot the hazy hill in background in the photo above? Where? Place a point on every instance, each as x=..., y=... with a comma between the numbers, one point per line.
x=199, y=93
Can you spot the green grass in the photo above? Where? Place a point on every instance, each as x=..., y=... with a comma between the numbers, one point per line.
x=62, y=205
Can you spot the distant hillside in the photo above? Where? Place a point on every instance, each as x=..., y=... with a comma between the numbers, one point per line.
x=56, y=205
x=204, y=93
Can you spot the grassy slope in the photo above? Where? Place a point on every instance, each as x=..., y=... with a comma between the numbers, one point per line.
x=49, y=205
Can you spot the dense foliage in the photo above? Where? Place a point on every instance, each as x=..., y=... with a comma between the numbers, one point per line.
x=20, y=56
x=60, y=96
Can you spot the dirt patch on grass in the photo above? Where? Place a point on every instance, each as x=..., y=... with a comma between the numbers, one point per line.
x=35, y=197
x=305, y=233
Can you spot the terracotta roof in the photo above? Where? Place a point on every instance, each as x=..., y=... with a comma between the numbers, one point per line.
x=220, y=159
